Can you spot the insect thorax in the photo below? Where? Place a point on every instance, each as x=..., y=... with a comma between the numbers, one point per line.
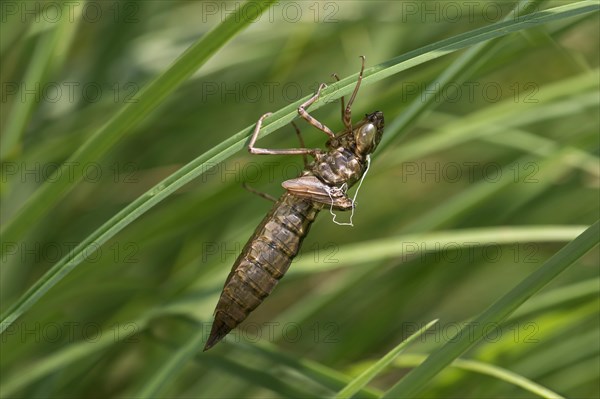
x=338, y=166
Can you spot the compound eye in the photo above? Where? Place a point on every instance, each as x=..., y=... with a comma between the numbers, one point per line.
x=364, y=137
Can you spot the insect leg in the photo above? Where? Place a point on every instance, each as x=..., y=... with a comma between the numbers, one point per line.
x=347, y=118
x=288, y=151
x=302, y=112
x=259, y=193
x=342, y=98
x=304, y=158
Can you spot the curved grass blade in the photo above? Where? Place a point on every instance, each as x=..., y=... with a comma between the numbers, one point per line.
x=266, y=379
x=558, y=297
x=363, y=379
x=60, y=359
x=581, y=90
x=412, y=244
x=153, y=389
x=75, y=352
x=129, y=116
x=414, y=360
x=235, y=143
x=415, y=381
x=46, y=54
x=455, y=73
x=319, y=373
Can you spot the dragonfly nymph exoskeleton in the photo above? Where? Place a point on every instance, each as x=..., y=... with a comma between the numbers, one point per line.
x=324, y=183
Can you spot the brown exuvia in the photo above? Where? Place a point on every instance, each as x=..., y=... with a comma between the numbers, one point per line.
x=276, y=241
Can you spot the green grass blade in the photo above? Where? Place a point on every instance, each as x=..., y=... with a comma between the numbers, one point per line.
x=506, y=114
x=528, y=103
x=128, y=117
x=414, y=360
x=406, y=245
x=45, y=54
x=259, y=377
x=365, y=377
x=69, y=355
x=459, y=68
x=39, y=204
x=319, y=373
x=154, y=387
x=415, y=381
x=559, y=296
x=525, y=141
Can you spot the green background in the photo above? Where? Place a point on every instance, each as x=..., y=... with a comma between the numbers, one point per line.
x=489, y=165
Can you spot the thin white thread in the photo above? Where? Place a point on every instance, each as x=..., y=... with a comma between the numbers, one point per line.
x=344, y=188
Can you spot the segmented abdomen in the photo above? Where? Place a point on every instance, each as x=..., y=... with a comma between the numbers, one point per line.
x=263, y=261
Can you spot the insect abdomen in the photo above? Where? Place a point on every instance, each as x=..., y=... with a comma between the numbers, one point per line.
x=263, y=261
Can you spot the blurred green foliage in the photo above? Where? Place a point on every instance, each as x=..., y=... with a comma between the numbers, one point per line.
x=502, y=165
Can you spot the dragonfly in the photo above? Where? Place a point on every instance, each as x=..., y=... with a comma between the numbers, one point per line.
x=324, y=182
